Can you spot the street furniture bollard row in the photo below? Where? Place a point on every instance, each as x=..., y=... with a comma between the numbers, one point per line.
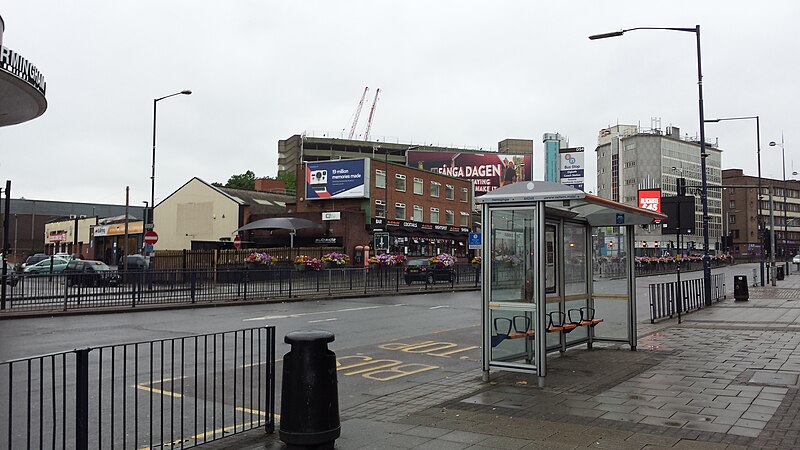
x=309, y=394
x=740, y=290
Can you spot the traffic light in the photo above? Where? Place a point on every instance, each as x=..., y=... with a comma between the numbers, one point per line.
x=766, y=240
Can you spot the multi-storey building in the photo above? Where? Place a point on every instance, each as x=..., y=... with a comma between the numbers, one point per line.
x=630, y=158
x=742, y=216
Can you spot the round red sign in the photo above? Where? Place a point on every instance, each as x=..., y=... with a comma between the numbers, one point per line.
x=237, y=242
x=151, y=237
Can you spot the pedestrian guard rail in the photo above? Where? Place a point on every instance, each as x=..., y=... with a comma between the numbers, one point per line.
x=665, y=302
x=38, y=292
x=167, y=393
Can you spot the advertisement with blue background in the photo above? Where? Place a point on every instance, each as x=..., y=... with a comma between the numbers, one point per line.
x=342, y=178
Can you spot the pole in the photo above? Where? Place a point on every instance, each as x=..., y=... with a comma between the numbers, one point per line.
x=703, y=178
x=785, y=217
x=151, y=215
x=772, y=271
x=4, y=270
x=386, y=197
x=758, y=198
x=125, y=247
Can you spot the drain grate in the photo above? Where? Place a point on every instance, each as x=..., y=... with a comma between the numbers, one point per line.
x=774, y=378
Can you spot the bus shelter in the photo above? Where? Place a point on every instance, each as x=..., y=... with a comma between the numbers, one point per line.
x=558, y=272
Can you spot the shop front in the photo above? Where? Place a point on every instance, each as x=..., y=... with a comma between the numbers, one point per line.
x=419, y=239
x=109, y=241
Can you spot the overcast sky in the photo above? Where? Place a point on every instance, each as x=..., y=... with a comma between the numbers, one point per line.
x=456, y=73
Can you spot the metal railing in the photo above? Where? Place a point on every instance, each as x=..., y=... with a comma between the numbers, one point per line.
x=664, y=301
x=68, y=292
x=167, y=393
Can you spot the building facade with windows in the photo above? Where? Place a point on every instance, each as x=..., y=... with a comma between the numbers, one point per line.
x=425, y=213
x=744, y=236
x=631, y=158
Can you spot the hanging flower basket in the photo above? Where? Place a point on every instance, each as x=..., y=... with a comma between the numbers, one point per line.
x=334, y=259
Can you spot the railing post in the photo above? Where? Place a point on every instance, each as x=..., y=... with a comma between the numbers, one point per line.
x=66, y=292
x=82, y=399
x=290, y=284
x=246, y=280
x=397, y=279
x=193, y=283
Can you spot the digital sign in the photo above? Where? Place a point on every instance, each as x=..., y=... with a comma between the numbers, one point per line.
x=487, y=171
x=342, y=178
x=650, y=199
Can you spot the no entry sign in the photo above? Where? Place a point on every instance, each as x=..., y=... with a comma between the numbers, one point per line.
x=237, y=242
x=151, y=237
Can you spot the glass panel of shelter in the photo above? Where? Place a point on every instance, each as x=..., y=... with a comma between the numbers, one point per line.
x=611, y=282
x=512, y=308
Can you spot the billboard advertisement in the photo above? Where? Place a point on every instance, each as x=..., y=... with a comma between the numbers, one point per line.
x=341, y=178
x=650, y=199
x=571, y=168
x=487, y=171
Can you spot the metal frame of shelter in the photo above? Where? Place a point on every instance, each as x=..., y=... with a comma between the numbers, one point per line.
x=557, y=263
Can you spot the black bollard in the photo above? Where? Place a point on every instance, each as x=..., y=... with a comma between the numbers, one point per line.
x=309, y=395
x=740, y=291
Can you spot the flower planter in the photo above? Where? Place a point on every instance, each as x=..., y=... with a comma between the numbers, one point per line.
x=300, y=267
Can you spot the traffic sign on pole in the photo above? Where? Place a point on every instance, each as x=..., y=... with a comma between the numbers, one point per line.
x=151, y=237
x=237, y=242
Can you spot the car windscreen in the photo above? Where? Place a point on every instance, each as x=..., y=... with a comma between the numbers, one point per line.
x=100, y=267
x=418, y=262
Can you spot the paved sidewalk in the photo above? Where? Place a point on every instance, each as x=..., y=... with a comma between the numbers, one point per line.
x=726, y=378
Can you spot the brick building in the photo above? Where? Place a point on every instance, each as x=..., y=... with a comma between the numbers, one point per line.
x=742, y=217
x=425, y=213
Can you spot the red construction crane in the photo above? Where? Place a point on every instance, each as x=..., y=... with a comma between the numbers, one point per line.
x=358, y=113
x=371, y=115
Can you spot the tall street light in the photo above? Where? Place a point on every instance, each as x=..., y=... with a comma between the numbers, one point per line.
x=785, y=220
x=149, y=226
x=758, y=196
x=703, y=154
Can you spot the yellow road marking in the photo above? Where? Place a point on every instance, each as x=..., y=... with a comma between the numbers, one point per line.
x=198, y=437
x=146, y=387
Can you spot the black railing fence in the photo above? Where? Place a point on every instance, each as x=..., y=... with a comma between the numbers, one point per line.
x=168, y=393
x=665, y=299
x=66, y=292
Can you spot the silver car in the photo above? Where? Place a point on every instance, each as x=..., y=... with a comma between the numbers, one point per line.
x=796, y=259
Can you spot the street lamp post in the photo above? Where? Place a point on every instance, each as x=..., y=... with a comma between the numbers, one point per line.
x=758, y=195
x=703, y=154
x=153, y=172
x=785, y=218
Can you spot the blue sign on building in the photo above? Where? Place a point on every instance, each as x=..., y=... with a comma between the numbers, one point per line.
x=620, y=219
x=474, y=240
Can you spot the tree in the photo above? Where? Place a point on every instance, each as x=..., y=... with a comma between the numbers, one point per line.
x=245, y=180
x=289, y=178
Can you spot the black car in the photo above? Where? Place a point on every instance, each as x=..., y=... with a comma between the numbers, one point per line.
x=421, y=270
x=136, y=263
x=90, y=273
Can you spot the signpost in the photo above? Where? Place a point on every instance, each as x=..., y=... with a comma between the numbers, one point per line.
x=237, y=242
x=474, y=241
x=381, y=241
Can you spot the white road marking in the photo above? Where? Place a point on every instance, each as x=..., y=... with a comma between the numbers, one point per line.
x=437, y=307
x=294, y=316
x=323, y=320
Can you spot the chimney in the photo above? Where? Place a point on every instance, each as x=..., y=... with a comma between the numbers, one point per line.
x=267, y=185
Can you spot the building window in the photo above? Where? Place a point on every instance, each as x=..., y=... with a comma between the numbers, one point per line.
x=731, y=219
x=380, y=178
x=400, y=182
x=448, y=192
x=400, y=211
x=434, y=215
x=464, y=195
x=448, y=217
x=418, y=189
x=380, y=208
x=464, y=219
x=417, y=213
x=435, y=188
x=732, y=204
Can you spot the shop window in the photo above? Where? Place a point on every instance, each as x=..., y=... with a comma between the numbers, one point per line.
x=434, y=215
x=400, y=211
x=418, y=189
x=417, y=213
x=380, y=208
x=380, y=178
x=435, y=188
x=464, y=219
x=464, y=195
x=400, y=182
x=448, y=192
x=449, y=218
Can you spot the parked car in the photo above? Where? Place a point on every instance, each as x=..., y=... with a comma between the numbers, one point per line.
x=421, y=270
x=136, y=263
x=11, y=275
x=44, y=266
x=66, y=256
x=796, y=259
x=86, y=272
x=33, y=259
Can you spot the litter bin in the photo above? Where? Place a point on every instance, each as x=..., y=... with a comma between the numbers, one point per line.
x=309, y=395
x=780, y=274
x=740, y=291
